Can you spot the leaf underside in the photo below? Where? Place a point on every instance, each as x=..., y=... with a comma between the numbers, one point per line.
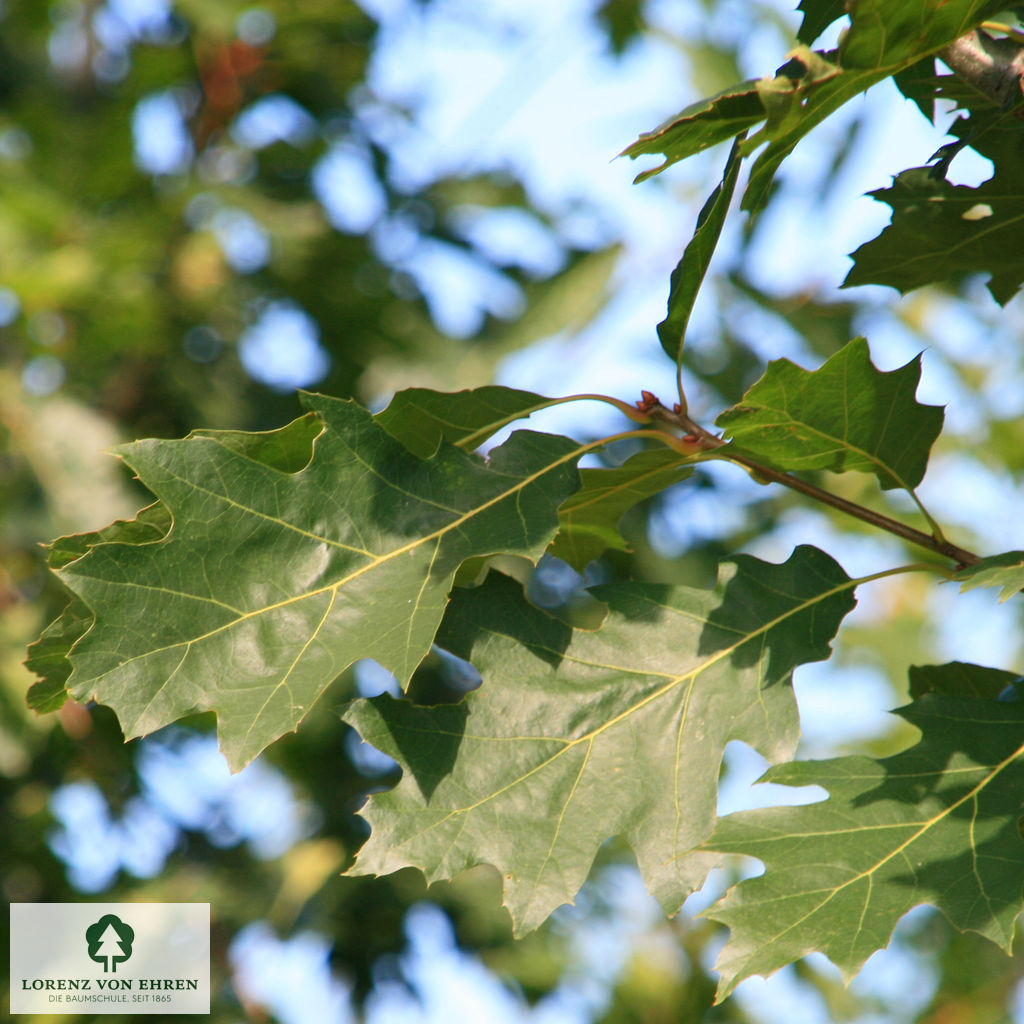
x=576, y=736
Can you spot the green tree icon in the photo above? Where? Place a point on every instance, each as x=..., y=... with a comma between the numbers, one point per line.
x=110, y=941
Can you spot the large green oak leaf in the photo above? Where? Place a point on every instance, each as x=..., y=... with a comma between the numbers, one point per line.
x=576, y=736
x=846, y=415
x=288, y=559
x=938, y=823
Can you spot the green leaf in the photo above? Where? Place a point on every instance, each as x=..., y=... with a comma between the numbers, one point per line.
x=1005, y=571
x=845, y=416
x=733, y=111
x=883, y=33
x=803, y=92
x=421, y=418
x=938, y=823
x=882, y=40
x=287, y=449
x=589, y=519
x=919, y=83
x=151, y=524
x=623, y=20
x=959, y=679
x=699, y=126
x=817, y=16
x=577, y=736
x=940, y=230
x=48, y=656
x=271, y=583
x=689, y=273
x=792, y=113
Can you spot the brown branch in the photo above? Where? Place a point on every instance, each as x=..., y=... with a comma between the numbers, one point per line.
x=706, y=440
x=993, y=67
x=942, y=547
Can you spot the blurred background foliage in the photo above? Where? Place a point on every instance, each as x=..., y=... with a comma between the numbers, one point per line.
x=208, y=203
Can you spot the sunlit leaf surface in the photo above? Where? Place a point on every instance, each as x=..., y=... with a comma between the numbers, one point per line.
x=577, y=736
x=274, y=578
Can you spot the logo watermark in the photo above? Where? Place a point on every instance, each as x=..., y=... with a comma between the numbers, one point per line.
x=128, y=958
x=110, y=941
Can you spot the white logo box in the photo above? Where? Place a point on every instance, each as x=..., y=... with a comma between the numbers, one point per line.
x=127, y=958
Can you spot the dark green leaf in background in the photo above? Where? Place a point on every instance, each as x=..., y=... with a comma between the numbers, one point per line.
x=846, y=415
x=623, y=21
x=272, y=581
x=959, y=679
x=577, y=736
x=817, y=16
x=938, y=823
x=940, y=230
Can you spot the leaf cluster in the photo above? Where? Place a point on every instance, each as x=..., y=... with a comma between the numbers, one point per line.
x=272, y=562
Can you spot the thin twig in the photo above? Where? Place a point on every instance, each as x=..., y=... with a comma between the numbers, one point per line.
x=942, y=547
x=695, y=433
